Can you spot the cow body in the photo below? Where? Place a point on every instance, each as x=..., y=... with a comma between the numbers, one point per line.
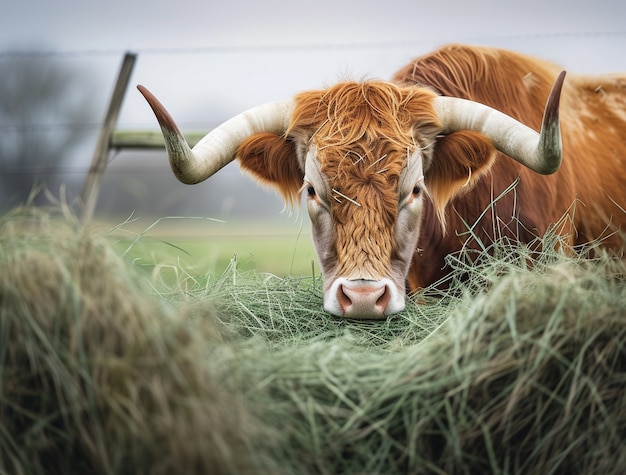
x=393, y=179
x=583, y=201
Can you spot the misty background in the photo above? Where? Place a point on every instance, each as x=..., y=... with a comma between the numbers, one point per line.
x=207, y=61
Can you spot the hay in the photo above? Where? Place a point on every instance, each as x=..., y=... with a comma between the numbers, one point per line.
x=519, y=370
x=519, y=367
x=98, y=376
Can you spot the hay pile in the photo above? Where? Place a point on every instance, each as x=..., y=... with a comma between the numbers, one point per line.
x=517, y=370
x=98, y=376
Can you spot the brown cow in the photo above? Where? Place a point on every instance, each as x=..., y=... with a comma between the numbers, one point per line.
x=395, y=172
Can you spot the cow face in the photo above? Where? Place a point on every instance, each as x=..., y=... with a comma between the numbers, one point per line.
x=359, y=152
x=362, y=148
x=364, y=214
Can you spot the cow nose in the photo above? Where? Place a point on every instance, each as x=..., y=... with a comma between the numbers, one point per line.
x=363, y=298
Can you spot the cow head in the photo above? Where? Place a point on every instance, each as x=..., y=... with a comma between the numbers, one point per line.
x=365, y=155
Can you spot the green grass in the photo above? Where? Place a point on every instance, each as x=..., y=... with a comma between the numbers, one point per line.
x=200, y=246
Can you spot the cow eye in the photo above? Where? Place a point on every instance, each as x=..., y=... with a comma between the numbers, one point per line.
x=310, y=190
x=416, y=190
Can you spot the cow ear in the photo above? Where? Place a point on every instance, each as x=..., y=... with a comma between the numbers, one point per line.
x=272, y=160
x=459, y=159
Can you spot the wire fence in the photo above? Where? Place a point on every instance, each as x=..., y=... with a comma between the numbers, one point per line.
x=304, y=47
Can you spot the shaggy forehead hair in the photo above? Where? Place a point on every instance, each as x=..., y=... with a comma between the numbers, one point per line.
x=363, y=134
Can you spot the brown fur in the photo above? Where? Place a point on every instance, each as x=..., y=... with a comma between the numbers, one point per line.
x=362, y=132
x=271, y=159
x=473, y=155
x=587, y=195
x=353, y=125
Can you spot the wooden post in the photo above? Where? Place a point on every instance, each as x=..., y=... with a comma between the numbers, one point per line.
x=147, y=139
x=91, y=188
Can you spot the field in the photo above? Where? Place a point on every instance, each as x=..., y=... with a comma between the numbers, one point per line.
x=120, y=356
x=281, y=247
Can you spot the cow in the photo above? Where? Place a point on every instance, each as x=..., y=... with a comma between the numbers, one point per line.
x=394, y=173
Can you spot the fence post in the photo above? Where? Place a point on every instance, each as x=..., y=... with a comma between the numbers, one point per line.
x=91, y=188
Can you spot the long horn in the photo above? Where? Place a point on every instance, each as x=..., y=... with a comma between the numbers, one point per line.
x=540, y=152
x=217, y=148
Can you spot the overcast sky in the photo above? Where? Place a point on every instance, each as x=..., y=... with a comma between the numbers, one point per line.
x=207, y=60
x=189, y=50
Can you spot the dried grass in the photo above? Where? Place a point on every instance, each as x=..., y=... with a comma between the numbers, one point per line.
x=99, y=376
x=518, y=369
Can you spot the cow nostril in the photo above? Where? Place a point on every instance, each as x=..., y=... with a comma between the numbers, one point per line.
x=384, y=299
x=344, y=300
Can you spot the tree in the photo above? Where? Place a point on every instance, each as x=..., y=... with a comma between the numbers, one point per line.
x=46, y=110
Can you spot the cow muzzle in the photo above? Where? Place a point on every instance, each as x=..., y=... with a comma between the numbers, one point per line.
x=363, y=299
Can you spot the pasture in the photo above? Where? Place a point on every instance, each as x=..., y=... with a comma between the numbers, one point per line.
x=108, y=366
x=166, y=246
